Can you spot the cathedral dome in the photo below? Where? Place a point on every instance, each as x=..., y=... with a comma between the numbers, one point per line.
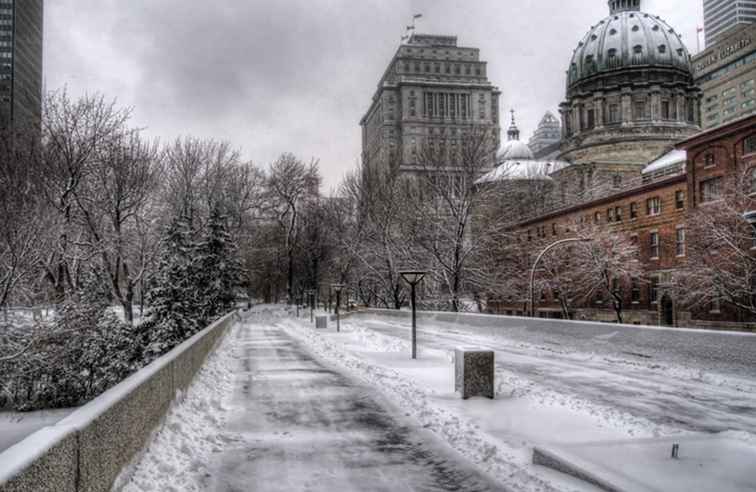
x=515, y=150
x=627, y=38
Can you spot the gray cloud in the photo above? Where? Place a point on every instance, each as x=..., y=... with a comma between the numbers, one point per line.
x=297, y=75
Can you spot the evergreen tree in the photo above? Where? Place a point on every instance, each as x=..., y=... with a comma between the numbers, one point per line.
x=220, y=268
x=173, y=297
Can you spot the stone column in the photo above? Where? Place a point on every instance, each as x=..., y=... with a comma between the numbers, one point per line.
x=655, y=103
x=626, y=106
x=599, y=106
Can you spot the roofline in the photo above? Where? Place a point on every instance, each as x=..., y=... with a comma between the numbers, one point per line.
x=717, y=132
x=610, y=198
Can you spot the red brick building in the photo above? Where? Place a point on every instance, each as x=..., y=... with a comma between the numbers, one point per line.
x=653, y=213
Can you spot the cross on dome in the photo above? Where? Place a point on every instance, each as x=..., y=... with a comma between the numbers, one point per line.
x=513, y=133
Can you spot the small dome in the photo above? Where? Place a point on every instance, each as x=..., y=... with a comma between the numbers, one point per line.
x=627, y=38
x=515, y=150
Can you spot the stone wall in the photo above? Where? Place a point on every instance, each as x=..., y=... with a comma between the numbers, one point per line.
x=88, y=449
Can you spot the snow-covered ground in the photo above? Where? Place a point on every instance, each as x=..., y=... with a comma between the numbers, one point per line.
x=15, y=426
x=547, y=392
x=179, y=455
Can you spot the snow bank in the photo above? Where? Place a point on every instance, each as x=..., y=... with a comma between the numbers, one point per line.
x=180, y=450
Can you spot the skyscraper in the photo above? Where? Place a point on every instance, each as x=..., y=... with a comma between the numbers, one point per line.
x=21, y=25
x=721, y=15
x=432, y=92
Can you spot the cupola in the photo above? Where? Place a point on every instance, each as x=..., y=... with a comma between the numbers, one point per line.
x=616, y=6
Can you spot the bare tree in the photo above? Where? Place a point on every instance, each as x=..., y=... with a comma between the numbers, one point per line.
x=73, y=132
x=447, y=201
x=291, y=183
x=720, y=266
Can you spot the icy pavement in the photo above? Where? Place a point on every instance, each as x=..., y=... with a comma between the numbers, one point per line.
x=265, y=415
x=297, y=424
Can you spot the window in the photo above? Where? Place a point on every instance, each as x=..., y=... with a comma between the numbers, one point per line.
x=591, y=118
x=749, y=145
x=653, y=206
x=597, y=217
x=618, y=214
x=679, y=200
x=662, y=48
x=634, y=210
x=637, y=49
x=680, y=241
x=640, y=110
x=635, y=291
x=665, y=110
x=614, y=113
x=710, y=160
x=610, y=214
x=653, y=290
x=710, y=189
x=653, y=242
x=553, y=229
x=617, y=180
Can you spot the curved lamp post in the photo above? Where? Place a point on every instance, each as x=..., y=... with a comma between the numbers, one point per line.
x=413, y=277
x=538, y=259
x=337, y=288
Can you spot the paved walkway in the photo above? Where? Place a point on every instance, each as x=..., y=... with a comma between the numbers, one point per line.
x=298, y=425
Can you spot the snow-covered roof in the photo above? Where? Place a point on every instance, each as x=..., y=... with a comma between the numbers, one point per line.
x=513, y=150
x=670, y=159
x=510, y=170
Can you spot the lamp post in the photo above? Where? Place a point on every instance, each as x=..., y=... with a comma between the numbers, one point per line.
x=538, y=259
x=413, y=277
x=337, y=288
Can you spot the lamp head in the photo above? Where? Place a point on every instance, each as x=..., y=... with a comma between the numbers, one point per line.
x=412, y=277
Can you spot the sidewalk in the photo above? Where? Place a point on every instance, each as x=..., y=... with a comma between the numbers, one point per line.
x=300, y=425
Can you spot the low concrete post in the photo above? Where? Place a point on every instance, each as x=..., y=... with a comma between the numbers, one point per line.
x=474, y=372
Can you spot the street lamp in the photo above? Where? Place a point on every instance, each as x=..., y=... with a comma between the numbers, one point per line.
x=538, y=259
x=413, y=277
x=337, y=289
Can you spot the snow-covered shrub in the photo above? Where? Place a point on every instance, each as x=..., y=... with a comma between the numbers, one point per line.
x=83, y=352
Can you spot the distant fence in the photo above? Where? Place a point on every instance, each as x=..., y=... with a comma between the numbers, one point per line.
x=88, y=449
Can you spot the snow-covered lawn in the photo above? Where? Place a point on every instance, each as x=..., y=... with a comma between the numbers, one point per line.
x=15, y=426
x=545, y=394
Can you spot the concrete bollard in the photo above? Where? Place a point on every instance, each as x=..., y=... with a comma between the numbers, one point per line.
x=474, y=372
x=321, y=322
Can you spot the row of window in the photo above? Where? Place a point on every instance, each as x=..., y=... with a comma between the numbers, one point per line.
x=438, y=67
x=640, y=111
x=616, y=213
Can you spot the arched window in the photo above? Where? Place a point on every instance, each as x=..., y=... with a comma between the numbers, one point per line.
x=637, y=49
x=662, y=48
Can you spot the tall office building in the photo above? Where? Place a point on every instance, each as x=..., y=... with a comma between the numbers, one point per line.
x=726, y=72
x=21, y=26
x=432, y=92
x=722, y=15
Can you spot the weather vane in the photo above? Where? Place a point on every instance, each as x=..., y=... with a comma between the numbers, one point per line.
x=411, y=29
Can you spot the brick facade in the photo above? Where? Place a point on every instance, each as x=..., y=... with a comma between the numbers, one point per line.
x=717, y=153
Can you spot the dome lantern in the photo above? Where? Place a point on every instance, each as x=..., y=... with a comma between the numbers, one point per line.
x=513, y=133
x=616, y=6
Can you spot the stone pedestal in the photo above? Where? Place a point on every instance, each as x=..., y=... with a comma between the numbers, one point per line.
x=474, y=372
x=321, y=321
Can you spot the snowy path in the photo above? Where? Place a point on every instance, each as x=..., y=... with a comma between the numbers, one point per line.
x=695, y=397
x=296, y=424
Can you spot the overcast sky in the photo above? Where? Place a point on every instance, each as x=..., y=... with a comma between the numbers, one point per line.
x=297, y=75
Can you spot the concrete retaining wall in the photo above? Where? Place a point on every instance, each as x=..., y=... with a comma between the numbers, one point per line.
x=88, y=449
